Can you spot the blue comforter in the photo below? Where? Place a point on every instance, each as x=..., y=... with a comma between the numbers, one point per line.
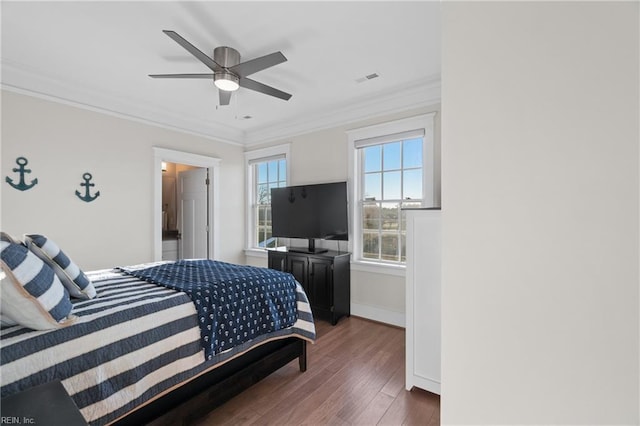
x=235, y=303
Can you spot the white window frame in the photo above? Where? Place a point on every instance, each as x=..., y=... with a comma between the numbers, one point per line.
x=250, y=158
x=377, y=134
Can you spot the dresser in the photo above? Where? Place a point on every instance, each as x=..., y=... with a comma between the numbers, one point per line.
x=423, y=299
x=325, y=278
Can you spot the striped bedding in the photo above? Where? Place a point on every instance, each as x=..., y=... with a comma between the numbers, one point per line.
x=131, y=344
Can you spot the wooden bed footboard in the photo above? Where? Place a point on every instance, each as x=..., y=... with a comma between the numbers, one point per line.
x=195, y=399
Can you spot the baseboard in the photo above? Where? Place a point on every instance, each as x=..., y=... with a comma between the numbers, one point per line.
x=424, y=383
x=378, y=314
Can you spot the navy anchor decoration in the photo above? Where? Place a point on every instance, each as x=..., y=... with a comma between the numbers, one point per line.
x=22, y=185
x=87, y=197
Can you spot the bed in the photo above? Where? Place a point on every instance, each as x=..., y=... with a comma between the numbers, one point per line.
x=139, y=351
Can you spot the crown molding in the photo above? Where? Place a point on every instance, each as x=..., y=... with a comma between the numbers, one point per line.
x=19, y=80
x=417, y=95
x=31, y=83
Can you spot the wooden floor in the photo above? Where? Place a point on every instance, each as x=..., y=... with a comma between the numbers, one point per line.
x=355, y=375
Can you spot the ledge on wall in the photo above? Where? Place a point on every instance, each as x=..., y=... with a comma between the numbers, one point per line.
x=377, y=268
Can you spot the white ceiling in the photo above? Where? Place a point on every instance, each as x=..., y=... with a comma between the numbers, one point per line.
x=99, y=55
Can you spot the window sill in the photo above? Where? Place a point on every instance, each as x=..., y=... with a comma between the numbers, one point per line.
x=378, y=268
x=254, y=252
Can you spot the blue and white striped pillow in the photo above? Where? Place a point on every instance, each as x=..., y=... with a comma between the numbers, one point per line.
x=32, y=294
x=69, y=273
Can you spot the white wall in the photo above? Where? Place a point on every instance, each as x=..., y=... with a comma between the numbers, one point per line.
x=540, y=157
x=62, y=142
x=321, y=156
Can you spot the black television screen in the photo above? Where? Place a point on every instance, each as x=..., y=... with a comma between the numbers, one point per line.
x=310, y=211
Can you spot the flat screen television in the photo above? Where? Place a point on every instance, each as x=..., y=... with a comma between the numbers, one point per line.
x=313, y=212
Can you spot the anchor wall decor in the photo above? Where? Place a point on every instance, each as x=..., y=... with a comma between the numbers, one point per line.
x=87, y=197
x=22, y=185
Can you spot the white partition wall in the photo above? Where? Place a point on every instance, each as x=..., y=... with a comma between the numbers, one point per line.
x=540, y=221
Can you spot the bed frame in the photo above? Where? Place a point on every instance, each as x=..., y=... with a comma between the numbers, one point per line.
x=195, y=399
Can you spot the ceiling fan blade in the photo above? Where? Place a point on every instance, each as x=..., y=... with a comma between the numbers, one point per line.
x=254, y=65
x=192, y=49
x=225, y=97
x=181, y=76
x=247, y=83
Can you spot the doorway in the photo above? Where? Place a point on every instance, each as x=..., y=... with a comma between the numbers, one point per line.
x=185, y=203
x=210, y=165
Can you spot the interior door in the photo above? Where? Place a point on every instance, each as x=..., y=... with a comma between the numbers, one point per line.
x=192, y=214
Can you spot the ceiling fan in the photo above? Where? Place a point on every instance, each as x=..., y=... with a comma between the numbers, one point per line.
x=228, y=72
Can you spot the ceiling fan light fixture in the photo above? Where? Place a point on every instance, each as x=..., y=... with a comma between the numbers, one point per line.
x=226, y=81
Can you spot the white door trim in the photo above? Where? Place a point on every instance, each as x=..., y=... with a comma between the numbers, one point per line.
x=197, y=160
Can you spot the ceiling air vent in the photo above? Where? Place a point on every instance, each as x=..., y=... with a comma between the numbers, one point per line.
x=367, y=77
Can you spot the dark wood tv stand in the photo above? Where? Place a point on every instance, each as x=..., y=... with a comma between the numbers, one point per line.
x=325, y=277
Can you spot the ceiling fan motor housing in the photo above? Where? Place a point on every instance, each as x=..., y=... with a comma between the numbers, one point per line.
x=226, y=56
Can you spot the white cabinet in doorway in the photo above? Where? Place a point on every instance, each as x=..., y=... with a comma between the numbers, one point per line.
x=423, y=299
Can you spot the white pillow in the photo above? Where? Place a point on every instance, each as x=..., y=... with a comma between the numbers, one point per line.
x=6, y=321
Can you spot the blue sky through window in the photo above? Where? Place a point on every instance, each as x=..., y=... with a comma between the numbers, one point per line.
x=262, y=172
x=270, y=174
x=412, y=153
x=393, y=171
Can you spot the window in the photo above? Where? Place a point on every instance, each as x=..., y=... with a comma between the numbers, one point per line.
x=268, y=174
x=392, y=180
x=392, y=169
x=266, y=169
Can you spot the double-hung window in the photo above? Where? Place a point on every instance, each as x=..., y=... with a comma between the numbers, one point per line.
x=266, y=169
x=392, y=169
